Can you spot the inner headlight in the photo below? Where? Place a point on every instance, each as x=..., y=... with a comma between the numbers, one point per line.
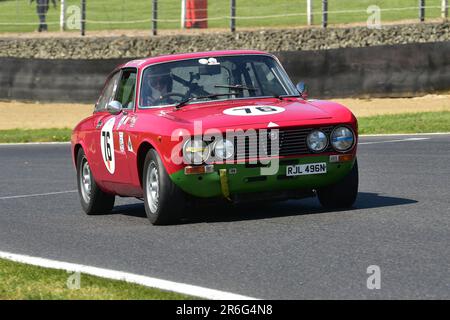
x=317, y=141
x=224, y=149
x=196, y=151
x=342, y=138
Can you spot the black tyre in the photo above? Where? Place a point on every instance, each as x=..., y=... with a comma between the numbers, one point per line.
x=164, y=201
x=93, y=200
x=342, y=194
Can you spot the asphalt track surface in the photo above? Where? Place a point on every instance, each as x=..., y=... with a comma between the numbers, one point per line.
x=287, y=250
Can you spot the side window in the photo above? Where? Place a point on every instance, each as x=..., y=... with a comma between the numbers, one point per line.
x=127, y=84
x=108, y=92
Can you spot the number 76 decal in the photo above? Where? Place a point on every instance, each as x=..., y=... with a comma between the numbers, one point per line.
x=107, y=145
x=253, y=110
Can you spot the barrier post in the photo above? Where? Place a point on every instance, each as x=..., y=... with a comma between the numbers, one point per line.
x=154, y=17
x=62, y=16
x=444, y=11
x=233, y=15
x=324, y=13
x=83, y=17
x=309, y=12
x=422, y=10
x=183, y=14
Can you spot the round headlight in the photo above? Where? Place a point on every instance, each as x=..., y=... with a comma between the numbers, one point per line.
x=224, y=149
x=342, y=139
x=196, y=151
x=317, y=141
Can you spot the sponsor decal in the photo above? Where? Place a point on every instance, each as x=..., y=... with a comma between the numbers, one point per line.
x=130, y=145
x=121, y=143
x=253, y=110
x=122, y=122
x=209, y=62
x=132, y=121
x=107, y=145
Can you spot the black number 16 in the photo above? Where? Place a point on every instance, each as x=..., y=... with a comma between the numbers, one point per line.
x=106, y=136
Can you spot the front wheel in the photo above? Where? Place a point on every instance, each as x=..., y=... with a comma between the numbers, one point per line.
x=93, y=200
x=343, y=194
x=164, y=201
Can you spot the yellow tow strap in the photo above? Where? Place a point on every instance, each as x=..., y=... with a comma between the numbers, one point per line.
x=224, y=183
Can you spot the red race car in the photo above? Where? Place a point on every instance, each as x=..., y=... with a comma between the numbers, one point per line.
x=226, y=125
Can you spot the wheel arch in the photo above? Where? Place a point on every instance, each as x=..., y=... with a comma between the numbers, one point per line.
x=76, y=149
x=141, y=153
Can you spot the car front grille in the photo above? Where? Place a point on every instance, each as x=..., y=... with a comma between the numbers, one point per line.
x=292, y=142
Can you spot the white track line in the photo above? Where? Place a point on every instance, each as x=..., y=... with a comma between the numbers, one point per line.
x=391, y=141
x=166, y=285
x=36, y=195
x=405, y=134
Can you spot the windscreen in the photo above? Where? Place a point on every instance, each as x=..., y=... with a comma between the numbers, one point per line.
x=214, y=78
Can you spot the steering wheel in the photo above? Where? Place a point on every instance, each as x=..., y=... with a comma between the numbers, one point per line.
x=171, y=94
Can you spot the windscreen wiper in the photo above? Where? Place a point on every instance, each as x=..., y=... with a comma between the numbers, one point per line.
x=235, y=86
x=214, y=95
x=282, y=96
x=242, y=87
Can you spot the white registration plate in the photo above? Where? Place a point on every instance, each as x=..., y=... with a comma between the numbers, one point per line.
x=306, y=169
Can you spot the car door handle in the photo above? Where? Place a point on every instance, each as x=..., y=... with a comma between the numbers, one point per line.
x=99, y=124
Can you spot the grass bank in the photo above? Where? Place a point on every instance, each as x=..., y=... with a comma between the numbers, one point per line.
x=25, y=282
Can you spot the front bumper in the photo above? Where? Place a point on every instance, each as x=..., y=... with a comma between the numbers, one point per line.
x=232, y=179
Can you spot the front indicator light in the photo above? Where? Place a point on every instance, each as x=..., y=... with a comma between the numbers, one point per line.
x=199, y=169
x=341, y=158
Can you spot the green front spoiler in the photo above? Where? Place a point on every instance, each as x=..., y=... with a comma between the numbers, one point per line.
x=243, y=178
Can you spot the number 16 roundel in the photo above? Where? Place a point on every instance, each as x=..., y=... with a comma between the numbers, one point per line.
x=107, y=145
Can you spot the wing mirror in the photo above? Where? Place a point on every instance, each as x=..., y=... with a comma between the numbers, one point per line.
x=302, y=89
x=114, y=107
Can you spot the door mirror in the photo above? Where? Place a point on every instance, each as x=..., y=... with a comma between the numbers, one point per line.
x=114, y=107
x=302, y=89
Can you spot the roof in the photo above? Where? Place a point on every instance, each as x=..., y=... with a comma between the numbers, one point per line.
x=141, y=63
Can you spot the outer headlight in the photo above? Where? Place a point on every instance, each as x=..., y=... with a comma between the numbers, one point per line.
x=196, y=151
x=317, y=141
x=224, y=149
x=342, y=139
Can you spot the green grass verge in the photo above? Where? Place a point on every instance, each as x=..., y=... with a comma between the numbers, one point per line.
x=19, y=16
x=406, y=123
x=424, y=122
x=25, y=282
x=35, y=135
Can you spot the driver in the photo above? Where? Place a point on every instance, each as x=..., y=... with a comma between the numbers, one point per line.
x=156, y=86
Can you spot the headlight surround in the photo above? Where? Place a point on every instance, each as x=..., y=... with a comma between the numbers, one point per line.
x=317, y=141
x=223, y=149
x=196, y=151
x=342, y=138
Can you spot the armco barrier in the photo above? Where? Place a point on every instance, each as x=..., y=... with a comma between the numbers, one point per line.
x=53, y=80
x=380, y=71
